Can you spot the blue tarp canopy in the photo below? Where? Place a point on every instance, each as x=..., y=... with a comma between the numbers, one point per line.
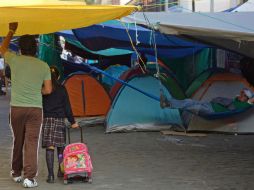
x=112, y=34
x=71, y=38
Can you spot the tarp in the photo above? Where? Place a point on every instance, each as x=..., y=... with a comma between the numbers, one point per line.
x=246, y=7
x=70, y=38
x=45, y=16
x=132, y=110
x=104, y=61
x=233, y=25
x=113, y=34
x=49, y=51
x=233, y=31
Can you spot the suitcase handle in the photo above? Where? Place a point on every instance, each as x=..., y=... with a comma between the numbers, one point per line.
x=81, y=135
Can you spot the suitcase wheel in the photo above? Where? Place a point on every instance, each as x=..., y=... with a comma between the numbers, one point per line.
x=90, y=180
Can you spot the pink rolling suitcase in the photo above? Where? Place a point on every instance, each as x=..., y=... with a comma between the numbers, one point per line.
x=76, y=161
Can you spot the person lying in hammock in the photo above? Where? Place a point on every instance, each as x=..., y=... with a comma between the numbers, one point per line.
x=219, y=104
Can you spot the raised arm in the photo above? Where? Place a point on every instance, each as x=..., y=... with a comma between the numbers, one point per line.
x=5, y=45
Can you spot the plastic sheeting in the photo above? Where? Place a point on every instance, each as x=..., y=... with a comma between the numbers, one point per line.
x=113, y=34
x=246, y=7
x=42, y=17
x=232, y=31
x=49, y=52
x=222, y=25
x=70, y=38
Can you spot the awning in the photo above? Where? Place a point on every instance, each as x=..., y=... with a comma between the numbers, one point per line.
x=233, y=31
x=113, y=34
x=45, y=16
x=246, y=7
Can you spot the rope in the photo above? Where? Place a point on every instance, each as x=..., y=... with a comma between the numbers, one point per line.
x=155, y=46
x=134, y=48
x=156, y=56
x=136, y=30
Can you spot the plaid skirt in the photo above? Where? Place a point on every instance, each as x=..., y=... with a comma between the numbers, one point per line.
x=53, y=132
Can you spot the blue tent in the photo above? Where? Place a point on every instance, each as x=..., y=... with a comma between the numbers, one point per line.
x=114, y=71
x=112, y=34
x=132, y=110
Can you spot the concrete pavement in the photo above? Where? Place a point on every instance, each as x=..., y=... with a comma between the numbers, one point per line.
x=141, y=161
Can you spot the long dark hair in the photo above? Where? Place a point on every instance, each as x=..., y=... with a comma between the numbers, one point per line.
x=55, y=75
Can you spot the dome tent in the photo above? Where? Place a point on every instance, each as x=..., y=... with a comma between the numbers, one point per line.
x=87, y=96
x=132, y=110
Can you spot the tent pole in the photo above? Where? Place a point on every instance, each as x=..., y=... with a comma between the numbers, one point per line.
x=211, y=6
x=193, y=5
x=166, y=5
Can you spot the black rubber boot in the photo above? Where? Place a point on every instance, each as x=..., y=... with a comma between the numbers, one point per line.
x=60, y=160
x=50, y=165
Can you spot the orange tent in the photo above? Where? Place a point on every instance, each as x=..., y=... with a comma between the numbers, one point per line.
x=87, y=96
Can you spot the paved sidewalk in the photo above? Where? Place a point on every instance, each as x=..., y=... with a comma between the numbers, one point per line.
x=142, y=161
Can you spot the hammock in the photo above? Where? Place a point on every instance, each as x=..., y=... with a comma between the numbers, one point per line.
x=222, y=115
x=215, y=115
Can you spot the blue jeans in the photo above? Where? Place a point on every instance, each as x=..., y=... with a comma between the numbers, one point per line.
x=192, y=106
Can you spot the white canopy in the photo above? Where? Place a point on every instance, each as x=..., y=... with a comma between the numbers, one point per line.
x=230, y=30
x=246, y=7
x=237, y=25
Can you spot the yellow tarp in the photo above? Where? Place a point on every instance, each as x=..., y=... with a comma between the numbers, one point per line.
x=47, y=16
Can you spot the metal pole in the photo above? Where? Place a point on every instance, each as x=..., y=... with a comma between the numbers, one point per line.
x=193, y=5
x=211, y=6
x=166, y=5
